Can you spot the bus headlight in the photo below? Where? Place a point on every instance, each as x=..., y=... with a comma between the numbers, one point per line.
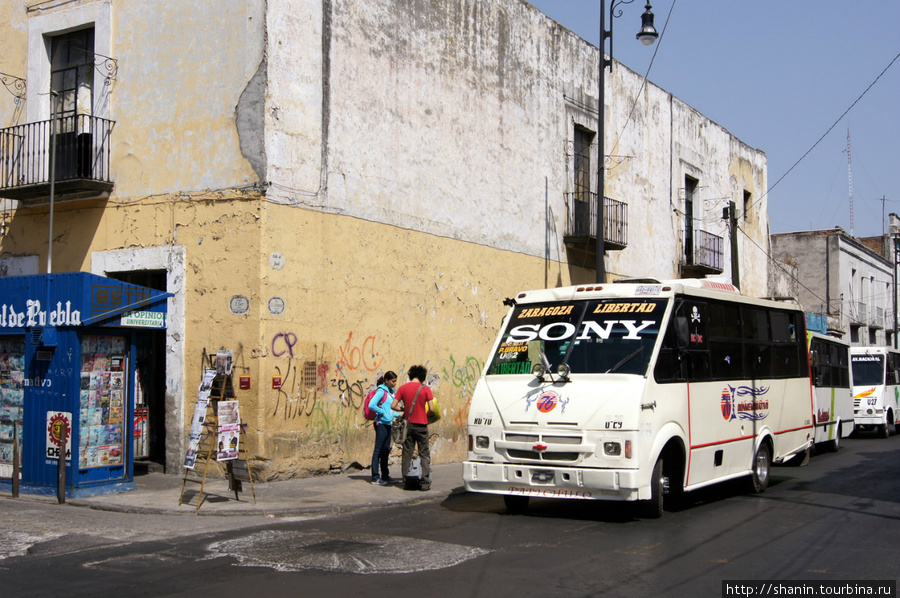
x=482, y=442
x=612, y=449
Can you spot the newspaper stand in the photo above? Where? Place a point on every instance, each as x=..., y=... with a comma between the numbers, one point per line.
x=236, y=470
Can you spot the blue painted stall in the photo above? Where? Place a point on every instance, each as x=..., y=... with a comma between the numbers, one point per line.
x=67, y=343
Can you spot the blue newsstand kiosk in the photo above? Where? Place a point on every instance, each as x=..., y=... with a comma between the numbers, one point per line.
x=67, y=346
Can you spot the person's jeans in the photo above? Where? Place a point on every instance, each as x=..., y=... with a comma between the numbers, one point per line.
x=381, y=453
x=417, y=436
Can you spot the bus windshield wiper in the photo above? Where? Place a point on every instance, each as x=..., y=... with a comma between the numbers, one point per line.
x=625, y=360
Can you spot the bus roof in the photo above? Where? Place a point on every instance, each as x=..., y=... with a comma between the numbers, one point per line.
x=872, y=350
x=646, y=288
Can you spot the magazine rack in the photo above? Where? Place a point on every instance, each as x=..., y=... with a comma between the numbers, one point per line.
x=236, y=470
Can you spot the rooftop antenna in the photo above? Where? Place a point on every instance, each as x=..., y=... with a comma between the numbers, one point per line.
x=883, y=200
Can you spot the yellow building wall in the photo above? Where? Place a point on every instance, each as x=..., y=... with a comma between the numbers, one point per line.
x=359, y=298
x=362, y=299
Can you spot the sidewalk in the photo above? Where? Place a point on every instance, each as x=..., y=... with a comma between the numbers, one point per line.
x=159, y=493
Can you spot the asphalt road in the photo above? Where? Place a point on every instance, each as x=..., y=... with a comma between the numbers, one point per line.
x=838, y=519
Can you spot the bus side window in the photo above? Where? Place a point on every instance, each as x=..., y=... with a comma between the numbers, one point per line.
x=727, y=359
x=790, y=352
x=669, y=365
x=699, y=366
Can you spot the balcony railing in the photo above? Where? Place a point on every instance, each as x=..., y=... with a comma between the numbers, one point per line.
x=81, y=170
x=704, y=254
x=581, y=222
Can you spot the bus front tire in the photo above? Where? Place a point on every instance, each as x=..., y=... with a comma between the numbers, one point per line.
x=884, y=431
x=653, y=508
x=515, y=505
x=834, y=445
x=762, y=466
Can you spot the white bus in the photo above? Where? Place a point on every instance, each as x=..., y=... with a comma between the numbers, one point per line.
x=632, y=390
x=829, y=362
x=876, y=388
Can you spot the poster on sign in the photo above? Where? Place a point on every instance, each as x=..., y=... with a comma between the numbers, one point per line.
x=190, y=457
x=59, y=426
x=229, y=417
x=229, y=430
x=227, y=445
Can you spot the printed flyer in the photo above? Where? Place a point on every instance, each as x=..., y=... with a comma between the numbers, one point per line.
x=229, y=431
x=190, y=457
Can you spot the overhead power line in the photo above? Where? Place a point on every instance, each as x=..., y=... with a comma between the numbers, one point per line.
x=825, y=134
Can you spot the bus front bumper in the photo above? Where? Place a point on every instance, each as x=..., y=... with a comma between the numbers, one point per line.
x=551, y=482
x=870, y=419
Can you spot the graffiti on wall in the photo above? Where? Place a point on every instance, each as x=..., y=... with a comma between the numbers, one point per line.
x=325, y=398
x=463, y=375
x=355, y=355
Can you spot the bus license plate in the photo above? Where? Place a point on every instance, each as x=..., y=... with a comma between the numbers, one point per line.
x=541, y=477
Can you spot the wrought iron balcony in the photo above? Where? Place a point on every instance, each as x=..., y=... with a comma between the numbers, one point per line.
x=581, y=224
x=703, y=254
x=82, y=144
x=859, y=313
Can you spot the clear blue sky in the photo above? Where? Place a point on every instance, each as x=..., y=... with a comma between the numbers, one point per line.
x=778, y=74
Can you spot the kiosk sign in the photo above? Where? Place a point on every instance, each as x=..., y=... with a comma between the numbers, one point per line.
x=59, y=423
x=144, y=319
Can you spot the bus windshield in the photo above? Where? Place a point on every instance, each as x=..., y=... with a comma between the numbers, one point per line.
x=867, y=369
x=592, y=337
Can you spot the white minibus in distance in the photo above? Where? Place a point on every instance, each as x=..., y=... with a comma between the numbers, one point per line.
x=829, y=362
x=876, y=388
x=637, y=389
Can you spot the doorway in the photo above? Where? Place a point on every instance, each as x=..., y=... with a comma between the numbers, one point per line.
x=149, y=444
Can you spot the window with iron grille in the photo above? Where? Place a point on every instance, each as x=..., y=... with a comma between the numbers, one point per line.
x=581, y=161
x=71, y=88
x=690, y=188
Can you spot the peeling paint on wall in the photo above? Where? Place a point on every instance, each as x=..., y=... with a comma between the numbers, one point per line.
x=250, y=121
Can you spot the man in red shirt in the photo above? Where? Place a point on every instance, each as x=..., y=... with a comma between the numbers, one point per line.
x=418, y=421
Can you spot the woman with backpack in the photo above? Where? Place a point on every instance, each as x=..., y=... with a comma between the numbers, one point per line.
x=380, y=405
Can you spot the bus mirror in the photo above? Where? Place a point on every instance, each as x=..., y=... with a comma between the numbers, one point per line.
x=682, y=333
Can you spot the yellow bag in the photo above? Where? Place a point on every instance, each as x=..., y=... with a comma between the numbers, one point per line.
x=433, y=411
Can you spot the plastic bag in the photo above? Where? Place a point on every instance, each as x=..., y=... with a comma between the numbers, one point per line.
x=433, y=411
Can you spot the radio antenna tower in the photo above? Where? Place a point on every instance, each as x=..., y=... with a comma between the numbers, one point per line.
x=850, y=180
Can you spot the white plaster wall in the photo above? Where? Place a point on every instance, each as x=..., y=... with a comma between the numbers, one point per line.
x=857, y=266
x=451, y=117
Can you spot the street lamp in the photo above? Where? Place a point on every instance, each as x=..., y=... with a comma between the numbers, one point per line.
x=647, y=35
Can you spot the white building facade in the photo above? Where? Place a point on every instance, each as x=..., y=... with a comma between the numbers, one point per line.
x=333, y=189
x=840, y=277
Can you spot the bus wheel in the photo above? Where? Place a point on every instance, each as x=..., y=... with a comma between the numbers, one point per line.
x=834, y=445
x=884, y=431
x=516, y=505
x=653, y=508
x=762, y=463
